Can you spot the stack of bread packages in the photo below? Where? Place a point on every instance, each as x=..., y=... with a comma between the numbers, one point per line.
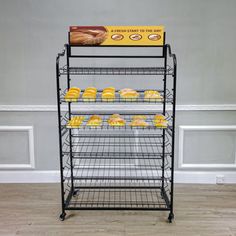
x=160, y=121
x=89, y=94
x=108, y=94
x=72, y=94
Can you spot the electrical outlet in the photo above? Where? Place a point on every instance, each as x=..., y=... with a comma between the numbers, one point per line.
x=220, y=179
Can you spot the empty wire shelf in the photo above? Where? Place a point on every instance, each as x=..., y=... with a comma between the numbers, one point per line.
x=116, y=70
x=117, y=146
x=133, y=199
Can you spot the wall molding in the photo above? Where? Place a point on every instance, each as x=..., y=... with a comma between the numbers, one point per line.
x=207, y=107
x=53, y=176
x=30, y=132
x=183, y=128
x=53, y=108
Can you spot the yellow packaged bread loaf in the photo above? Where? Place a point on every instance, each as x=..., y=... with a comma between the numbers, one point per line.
x=72, y=94
x=109, y=89
x=108, y=94
x=94, y=120
x=108, y=97
x=159, y=117
x=128, y=94
x=75, y=122
x=95, y=117
x=91, y=89
x=159, y=120
x=89, y=94
x=116, y=120
x=161, y=123
x=139, y=117
x=138, y=123
x=75, y=89
x=152, y=95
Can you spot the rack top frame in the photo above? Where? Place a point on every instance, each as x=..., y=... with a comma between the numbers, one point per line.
x=163, y=53
x=70, y=46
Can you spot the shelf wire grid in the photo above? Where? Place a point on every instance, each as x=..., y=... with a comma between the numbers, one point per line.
x=117, y=145
x=116, y=70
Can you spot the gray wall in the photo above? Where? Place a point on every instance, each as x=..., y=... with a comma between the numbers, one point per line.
x=201, y=33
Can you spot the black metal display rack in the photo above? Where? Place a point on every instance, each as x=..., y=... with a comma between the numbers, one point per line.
x=117, y=168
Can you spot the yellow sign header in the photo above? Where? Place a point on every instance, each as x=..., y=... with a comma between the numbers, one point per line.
x=117, y=35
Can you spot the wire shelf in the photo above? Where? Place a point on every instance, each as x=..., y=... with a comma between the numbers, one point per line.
x=122, y=170
x=118, y=99
x=133, y=199
x=116, y=70
x=120, y=147
x=128, y=118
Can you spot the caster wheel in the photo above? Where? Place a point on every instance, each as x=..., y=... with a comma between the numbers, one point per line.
x=62, y=216
x=75, y=193
x=170, y=217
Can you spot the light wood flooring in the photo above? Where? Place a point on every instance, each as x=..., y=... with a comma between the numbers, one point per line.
x=33, y=209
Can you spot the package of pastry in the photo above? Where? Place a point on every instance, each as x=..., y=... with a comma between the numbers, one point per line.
x=108, y=94
x=89, y=94
x=109, y=89
x=94, y=120
x=116, y=120
x=152, y=95
x=159, y=120
x=159, y=117
x=91, y=89
x=139, y=117
x=138, y=123
x=75, y=122
x=72, y=94
x=128, y=94
x=161, y=123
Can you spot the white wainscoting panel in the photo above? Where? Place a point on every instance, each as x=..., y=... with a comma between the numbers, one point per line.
x=183, y=128
x=30, y=130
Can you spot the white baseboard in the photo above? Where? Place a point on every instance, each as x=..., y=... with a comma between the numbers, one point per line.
x=28, y=176
x=53, y=176
x=204, y=177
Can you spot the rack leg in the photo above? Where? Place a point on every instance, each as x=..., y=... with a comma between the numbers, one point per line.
x=62, y=216
x=170, y=217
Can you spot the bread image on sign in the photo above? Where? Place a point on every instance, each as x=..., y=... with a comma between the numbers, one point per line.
x=135, y=37
x=154, y=36
x=117, y=36
x=90, y=35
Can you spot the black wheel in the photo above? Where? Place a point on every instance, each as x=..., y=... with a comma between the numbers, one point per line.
x=170, y=217
x=62, y=216
x=75, y=193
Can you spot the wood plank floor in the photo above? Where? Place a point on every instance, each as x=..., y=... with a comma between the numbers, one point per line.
x=33, y=209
